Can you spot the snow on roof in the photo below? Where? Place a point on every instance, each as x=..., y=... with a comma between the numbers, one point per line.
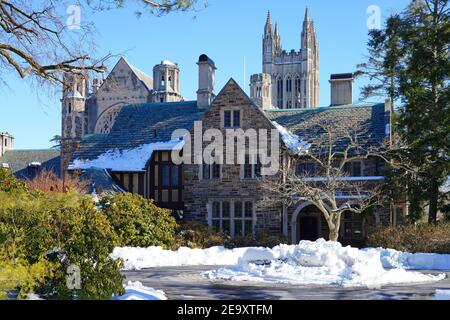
x=292, y=141
x=168, y=63
x=129, y=160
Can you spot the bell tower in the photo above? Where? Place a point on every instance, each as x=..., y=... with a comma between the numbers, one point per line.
x=166, y=77
x=74, y=116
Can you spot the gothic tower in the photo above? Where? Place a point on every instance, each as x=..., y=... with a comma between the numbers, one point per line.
x=310, y=64
x=166, y=77
x=294, y=74
x=268, y=45
x=74, y=116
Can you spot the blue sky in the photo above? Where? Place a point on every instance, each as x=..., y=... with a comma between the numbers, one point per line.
x=229, y=31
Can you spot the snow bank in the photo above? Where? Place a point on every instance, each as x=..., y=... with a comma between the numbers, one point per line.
x=292, y=141
x=126, y=160
x=137, y=291
x=442, y=295
x=319, y=262
x=140, y=258
x=413, y=261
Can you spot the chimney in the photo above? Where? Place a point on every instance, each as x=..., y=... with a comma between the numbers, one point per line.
x=341, y=89
x=206, y=81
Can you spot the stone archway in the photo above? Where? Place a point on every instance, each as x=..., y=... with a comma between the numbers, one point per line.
x=313, y=221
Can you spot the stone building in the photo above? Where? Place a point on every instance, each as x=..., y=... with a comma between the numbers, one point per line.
x=294, y=75
x=91, y=107
x=26, y=164
x=137, y=154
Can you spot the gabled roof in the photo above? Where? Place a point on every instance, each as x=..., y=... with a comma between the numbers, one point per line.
x=19, y=160
x=366, y=121
x=139, y=125
x=145, y=79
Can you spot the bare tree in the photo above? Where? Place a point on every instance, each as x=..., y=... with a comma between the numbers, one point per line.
x=330, y=186
x=37, y=38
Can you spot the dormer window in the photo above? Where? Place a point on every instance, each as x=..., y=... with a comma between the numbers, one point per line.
x=33, y=169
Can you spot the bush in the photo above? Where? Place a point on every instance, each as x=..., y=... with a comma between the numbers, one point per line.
x=47, y=181
x=138, y=222
x=197, y=236
x=260, y=239
x=433, y=238
x=9, y=183
x=34, y=223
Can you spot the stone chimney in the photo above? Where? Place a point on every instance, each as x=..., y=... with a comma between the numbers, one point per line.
x=341, y=89
x=6, y=142
x=206, y=81
x=261, y=90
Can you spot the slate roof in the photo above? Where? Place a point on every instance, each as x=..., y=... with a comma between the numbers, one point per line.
x=101, y=181
x=141, y=124
x=366, y=121
x=18, y=161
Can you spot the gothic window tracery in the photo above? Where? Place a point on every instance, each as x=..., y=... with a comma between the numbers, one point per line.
x=106, y=120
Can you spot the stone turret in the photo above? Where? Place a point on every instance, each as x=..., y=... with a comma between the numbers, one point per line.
x=166, y=77
x=261, y=90
x=74, y=116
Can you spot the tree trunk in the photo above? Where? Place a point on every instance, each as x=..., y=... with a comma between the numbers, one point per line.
x=334, y=235
x=434, y=197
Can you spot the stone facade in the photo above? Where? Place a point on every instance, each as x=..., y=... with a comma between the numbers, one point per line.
x=231, y=187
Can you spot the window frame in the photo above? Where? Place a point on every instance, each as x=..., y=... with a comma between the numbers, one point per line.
x=244, y=220
x=255, y=168
x=232, y=119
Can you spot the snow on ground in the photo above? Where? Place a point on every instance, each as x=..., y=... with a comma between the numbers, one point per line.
x=126, y=160
x=292, y=141
x=140, y=258
x=137, y=291
x=319, y=262
x=442, y=295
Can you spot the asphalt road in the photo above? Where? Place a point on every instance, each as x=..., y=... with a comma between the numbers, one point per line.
x=187, y=283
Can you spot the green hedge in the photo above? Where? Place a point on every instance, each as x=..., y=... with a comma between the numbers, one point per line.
x=434, y=238
x=138, y=222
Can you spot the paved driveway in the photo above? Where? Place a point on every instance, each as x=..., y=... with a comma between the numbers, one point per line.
x=186, y=283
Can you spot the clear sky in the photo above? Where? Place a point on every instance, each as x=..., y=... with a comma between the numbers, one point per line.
x=229, y=31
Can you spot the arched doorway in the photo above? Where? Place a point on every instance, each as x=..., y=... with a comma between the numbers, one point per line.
x=307, y=223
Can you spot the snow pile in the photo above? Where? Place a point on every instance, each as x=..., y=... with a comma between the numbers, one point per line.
x=137, y=291
x=319, y=263
x=126, y=160
x=442, y=295
x=292, y=141
x=140, y=258
x=413, y=261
